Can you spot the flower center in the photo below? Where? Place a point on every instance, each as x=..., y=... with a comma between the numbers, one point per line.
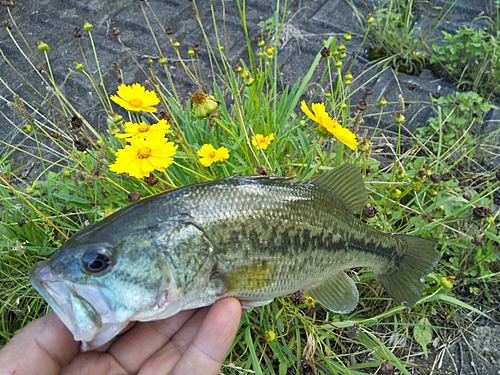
x=143, y=128
x=212, y=154
x=144, y=153
x=198, y=98
x=135, y=102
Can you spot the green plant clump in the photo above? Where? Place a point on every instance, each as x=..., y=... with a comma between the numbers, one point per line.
x=471, y=58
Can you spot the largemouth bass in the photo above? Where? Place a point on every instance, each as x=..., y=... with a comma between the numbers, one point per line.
x=255, y=238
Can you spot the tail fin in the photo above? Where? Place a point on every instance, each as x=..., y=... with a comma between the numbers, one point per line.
x=405, y=281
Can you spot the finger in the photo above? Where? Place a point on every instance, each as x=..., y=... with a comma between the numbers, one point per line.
x=165, y=359
x=42, y=347
x=209, y=347
x=133, y=348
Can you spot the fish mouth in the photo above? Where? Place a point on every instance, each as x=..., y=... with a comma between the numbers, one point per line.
x=81, y=318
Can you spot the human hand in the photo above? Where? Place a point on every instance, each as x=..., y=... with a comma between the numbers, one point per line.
x=190, y=342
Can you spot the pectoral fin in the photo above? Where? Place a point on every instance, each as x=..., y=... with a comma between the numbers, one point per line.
x=337, y=293
x=250, y=277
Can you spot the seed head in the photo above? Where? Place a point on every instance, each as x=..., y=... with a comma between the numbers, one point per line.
x=479, y=213
x=151, y=180
x=370, y=212
x=203, y=104
x=77, y=32
x=134, y=196
x=8, y=3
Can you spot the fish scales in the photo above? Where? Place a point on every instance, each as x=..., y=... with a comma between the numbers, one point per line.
x=253, y=237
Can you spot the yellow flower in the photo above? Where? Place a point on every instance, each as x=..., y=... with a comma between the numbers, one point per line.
x=210, y=155
x=135, y=98
x=144, y=155
x=259, y=139
x=156, y=130
x=330, y=125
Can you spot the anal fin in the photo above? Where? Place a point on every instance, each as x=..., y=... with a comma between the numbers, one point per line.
x=338, y=293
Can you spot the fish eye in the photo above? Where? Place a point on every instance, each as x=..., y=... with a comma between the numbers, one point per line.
x=97, y=260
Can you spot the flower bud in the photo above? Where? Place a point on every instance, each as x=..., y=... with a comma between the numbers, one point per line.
x=347, y=36
x=176, y=43
x=396, y=192
x=162, y=60
x=399, y=119
x=364, y=145
x=270, y=336
x=78, y=67
x=447, y=282
x=260, y=43
x=117, y=119
x=370, y=19
x=30, y=190
x=382, y=102
x=248, y=80
x=43, y=47
x=337, y=63
x=191, y=51
x=66, y=173
x=27, y=129
x=87, y=26
x=341, y=47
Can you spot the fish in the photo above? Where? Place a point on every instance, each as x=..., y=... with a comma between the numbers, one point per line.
x=251, y=237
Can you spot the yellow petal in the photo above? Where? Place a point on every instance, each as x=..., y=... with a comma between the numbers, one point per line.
x=306, y=110
x=346, y=136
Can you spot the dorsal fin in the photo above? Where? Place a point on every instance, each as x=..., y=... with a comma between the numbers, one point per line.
x=346, y=182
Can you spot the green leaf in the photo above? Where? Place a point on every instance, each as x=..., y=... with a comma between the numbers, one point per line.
x=423, y=334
